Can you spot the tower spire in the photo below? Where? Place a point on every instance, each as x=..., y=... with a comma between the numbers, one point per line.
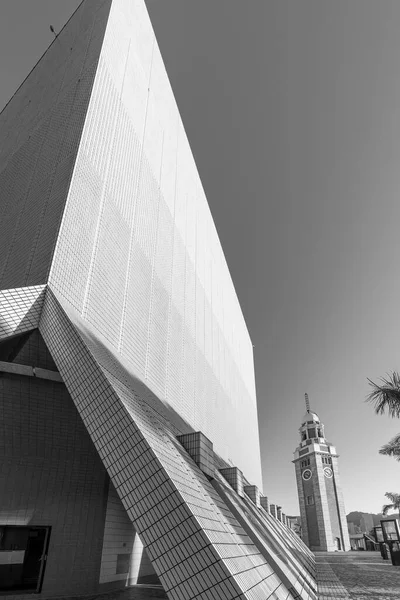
x=307, y=402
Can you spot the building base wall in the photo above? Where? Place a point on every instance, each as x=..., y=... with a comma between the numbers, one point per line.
x=124, y=560
x=50, y=477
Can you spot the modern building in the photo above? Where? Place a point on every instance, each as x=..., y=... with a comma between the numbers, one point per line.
x=363, y=541
x=323, y=516
x=128, y=431
x=294, y=522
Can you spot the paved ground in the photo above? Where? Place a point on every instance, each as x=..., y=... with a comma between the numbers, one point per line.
x=356, y=576
x=341, y=576
x=135, y=592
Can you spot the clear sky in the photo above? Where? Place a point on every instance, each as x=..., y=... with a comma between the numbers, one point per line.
x=292, y=110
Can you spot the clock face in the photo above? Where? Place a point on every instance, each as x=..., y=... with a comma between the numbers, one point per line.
x=307, y=474
x=328, y=472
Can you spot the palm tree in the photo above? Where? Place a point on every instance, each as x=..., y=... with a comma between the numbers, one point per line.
x=392, y=448
x=386, y=396
x=395, y=503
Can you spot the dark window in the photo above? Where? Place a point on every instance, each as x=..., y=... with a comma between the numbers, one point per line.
x=23, y=554
x=310, y=500
x=122, y=564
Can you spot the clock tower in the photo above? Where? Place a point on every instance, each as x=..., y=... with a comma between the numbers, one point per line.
x=323, y=517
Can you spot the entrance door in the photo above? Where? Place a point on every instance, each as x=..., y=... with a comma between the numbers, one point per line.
x=338, y=544
x=23, y=553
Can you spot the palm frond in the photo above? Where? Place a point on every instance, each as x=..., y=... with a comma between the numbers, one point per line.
x=394, y=498
x=386, y=395
x=392, y=448
x=386, y=508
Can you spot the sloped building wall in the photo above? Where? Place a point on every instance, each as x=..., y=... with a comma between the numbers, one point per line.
x=138, y=254
x=40, y=131
x=143, y=323
x=196, y=546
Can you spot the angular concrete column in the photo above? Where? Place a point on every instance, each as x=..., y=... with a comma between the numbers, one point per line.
x=264, y=503
x=253, y=493
x=234, y=477
x=200, y=448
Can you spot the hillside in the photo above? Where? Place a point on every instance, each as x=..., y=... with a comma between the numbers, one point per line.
x=355, y=517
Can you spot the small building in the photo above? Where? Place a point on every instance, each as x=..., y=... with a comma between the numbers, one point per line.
x=294, y=523
x=363, y=541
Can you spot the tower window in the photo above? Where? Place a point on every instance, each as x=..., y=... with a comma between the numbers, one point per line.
x=310, y=500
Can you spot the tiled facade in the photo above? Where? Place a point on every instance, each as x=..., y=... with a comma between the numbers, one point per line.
x=40, y=132
x=122, y=342
x=194, y=542
x=137, y=217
